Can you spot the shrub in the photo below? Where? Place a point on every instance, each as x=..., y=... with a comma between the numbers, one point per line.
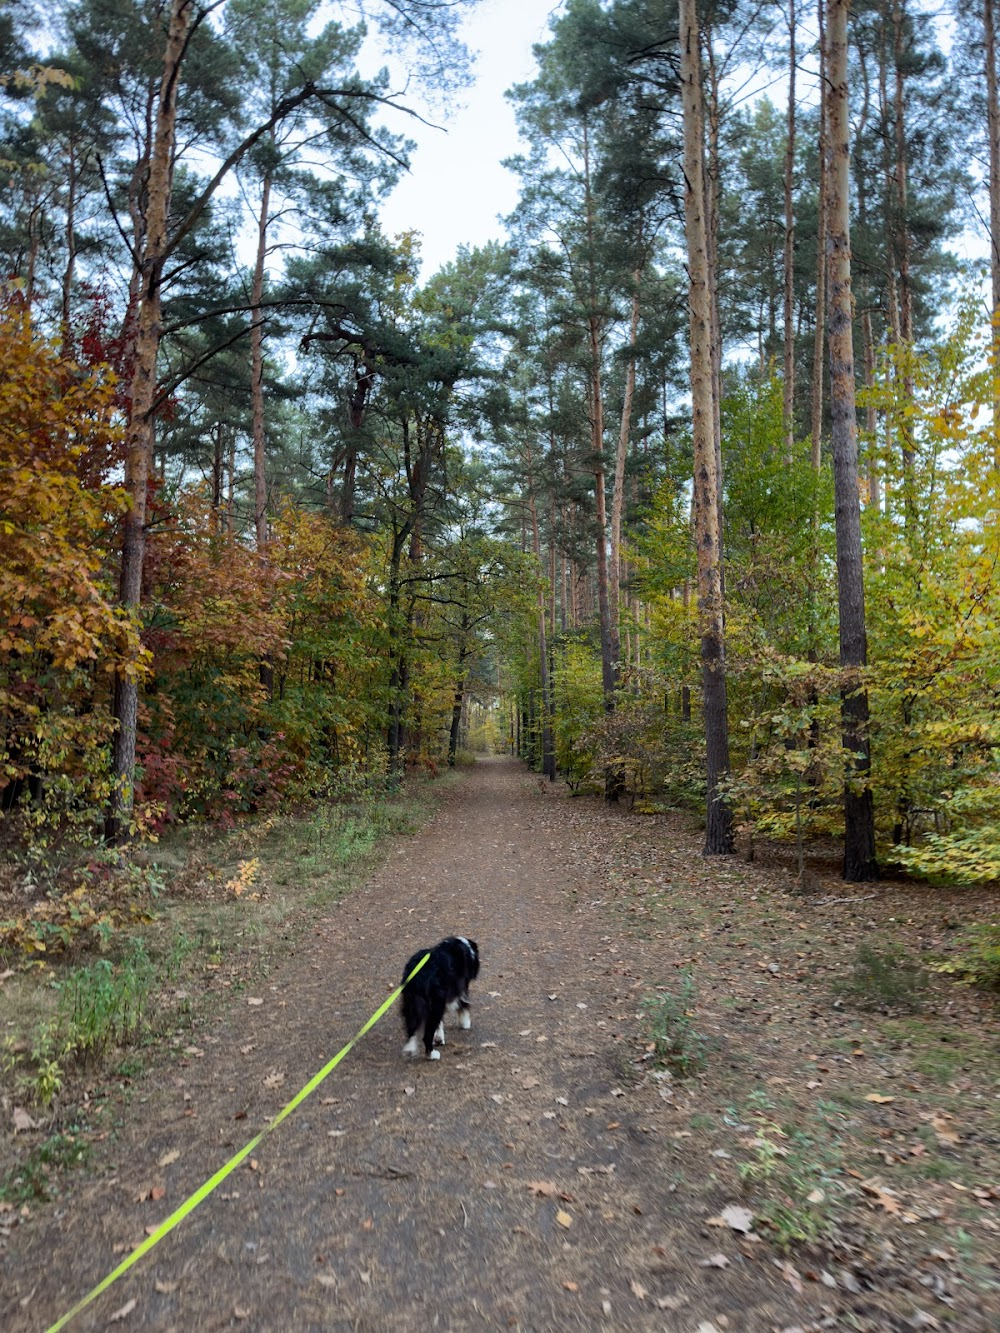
x=670, y=1023
x=885, y=976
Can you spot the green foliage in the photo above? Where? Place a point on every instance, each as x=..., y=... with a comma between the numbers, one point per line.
x=33, y=1178
x=934, y=629
x=885, y=976
x=576, y=683
x=977, y=961
x=670, y=1016
x=103, y=1004
x=796, y=1172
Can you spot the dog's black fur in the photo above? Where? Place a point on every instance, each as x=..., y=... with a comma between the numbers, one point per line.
x=442, y=983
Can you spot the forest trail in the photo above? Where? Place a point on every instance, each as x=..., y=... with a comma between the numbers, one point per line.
x=532, y=1179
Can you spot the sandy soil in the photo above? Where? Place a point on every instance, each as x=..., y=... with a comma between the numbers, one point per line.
x=535, y=1178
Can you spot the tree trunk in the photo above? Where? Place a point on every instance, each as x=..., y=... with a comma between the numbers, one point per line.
x=266, y=666
x=859, y=821
x=789, y=262
x=993, y=128
x=871, y=416
x=903, y=254
x=719, y=828
x=816, y=426
x=618, y=499
x=548, y=749
x=139, y=430
x=711, y=175
x=70, y=266
x=257, y=374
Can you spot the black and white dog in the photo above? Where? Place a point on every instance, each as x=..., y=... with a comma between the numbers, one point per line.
x=442, y=983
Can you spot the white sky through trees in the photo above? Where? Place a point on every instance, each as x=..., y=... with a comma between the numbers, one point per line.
x=457, y=189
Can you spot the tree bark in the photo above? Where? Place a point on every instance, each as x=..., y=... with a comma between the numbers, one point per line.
x=618, y=499
x=789, y=261
x=259, y=432
x=859, y=821
x=548, y=748
x=719, y=827
x=139, y=430
x=257, y=374
x=993, y=129
x=816, y=426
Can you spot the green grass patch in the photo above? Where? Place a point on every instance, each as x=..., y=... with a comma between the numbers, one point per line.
x=35, y=1177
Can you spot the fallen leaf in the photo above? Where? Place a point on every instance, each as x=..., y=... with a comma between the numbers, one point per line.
x=617, y=1092
x=561, y=1101
x=882, y=1197
x=123, y=1313
x=715, y=1261
x=326, y=1279
x=733, y=1217
x=366, y=1278
x=638, y=1290
x=878, y=1098
x=571, y=1286
x=254, y=1001
x=164, y=1288
x=614, y=1124
x=941, y=1127
x=8, y=972
x=274, y=1079
x=545, y=1189
x=791, y=1276
x=157, y=1193
x=563, y=1218
x=670, y=1302
x=530, y=1082
x=241, y=1312
x=22, y=1121
x=169, y=1158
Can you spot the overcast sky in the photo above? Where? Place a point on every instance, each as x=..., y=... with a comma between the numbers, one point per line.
x=457, y=189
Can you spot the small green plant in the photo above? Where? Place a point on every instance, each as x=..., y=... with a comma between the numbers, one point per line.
x=670, y=1024
x=32, y=1178
x=978, y=961
x=103, y=1003
x=767, y=1155
x=884, y=976
x=799, y=1172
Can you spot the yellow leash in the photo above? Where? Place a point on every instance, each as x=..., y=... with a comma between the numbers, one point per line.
x=205, y=1190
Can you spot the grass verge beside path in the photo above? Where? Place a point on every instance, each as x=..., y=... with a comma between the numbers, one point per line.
x=216, y=911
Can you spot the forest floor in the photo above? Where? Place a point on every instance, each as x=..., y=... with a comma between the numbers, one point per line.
x=826, y=1167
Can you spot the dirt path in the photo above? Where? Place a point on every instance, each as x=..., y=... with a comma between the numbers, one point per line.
x=532, y=1179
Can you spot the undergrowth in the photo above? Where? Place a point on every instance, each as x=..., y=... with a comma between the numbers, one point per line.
x=676, y=1042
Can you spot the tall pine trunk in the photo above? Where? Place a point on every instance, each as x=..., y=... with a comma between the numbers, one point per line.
x=618, y=499
x=139, y=431
x=993, y=129
x=859, y=819
x=719, y=827
x=266, y=667
x=788, y=410
x=816, y=425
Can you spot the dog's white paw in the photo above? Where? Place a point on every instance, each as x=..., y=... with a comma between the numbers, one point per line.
x=434, y=1055
x=412, y=1047
x=439, y=1035
x=465, y=1020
